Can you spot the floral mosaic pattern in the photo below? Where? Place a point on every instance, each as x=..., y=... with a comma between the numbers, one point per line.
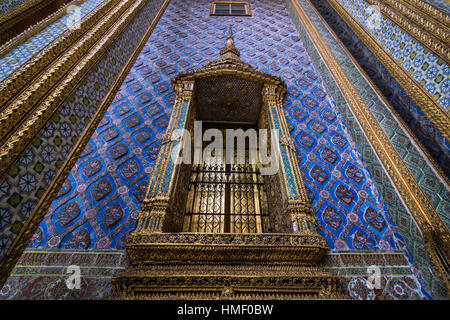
x=425, y=67
x=26, y=50
x=109, y=180
x=8, y=5
x=416, y=252
x=442, y=4
x=39, y=163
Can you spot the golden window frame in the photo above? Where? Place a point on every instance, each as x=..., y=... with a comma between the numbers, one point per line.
x=248, y=12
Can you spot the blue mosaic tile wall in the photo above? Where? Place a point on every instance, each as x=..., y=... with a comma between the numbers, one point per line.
x=8, y=5
x=426, y=68
x=99, y=203
x=18, y=56
x=28, y=178
x=424, y=129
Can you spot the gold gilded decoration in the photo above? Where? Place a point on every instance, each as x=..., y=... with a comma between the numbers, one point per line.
x=408, y=188
x=422, y=27
x=34, y=29
x=15, y=141
x=24, y=10
x=407, y=131
x=435, y=113
x=16, y=81
x=21, y=241
x=214, y=265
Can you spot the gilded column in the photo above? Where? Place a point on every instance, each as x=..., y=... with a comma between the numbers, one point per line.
x=156, y=203
x=298, y=208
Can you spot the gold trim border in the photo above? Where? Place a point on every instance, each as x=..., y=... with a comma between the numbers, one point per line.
x=434, y=112
x=15, y=82
x=410, y=192
x=429, y=9
x=423, y=29
x=25, y=117
x=36, y=28
x=20, y=242
x=406, y=130
x=13, y=16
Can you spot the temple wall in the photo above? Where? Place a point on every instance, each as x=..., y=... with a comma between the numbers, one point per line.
x=405, y=223
x=357, y=207
x=36, y=170
x=418, y=123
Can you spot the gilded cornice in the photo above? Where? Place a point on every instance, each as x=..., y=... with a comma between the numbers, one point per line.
x=24, y=117
x=425, y=30
x=16, y=81
x=34, y=29
x=434, y=112
x=15, y=15
x=21, y=241
x=438, y=170
x=409, y=190
x=434, y=12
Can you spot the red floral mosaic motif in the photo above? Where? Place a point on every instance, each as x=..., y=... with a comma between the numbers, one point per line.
x=339, y=140
x=80, y=240
x=332, y=218
x=92, y=167
x=327, y=114
x=130, y=169
x=354, y=174
x=344, y=194
x=318, y=174
x=153, y=152
x=306, y=141
x=317, y=127
x=101, y=190
x=112, y=215
x=329, y=155
x=304, y=83
x=68, y=213
x=118, y=151
x=123, y=109
x=133, y=121
x=374, y=219
x=143, y=136
x=299, y=114
x=110, y=134
x=310, y=103
x=361, y=241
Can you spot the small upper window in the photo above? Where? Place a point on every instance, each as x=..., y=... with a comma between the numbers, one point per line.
x=223, y=8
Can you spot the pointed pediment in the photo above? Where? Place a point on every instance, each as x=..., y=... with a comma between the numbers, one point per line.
x=229, y=63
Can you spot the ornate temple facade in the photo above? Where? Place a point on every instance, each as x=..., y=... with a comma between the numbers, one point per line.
x=101, y=102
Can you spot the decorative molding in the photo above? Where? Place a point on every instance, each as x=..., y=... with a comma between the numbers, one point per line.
x=26, y=116
x=437, y=13
x=21, y=77
x=413, y=196
x=26, y=232
x=436, y=168
x=34, y=29
x=435, y=113
x=424, y=29
x=13, y=16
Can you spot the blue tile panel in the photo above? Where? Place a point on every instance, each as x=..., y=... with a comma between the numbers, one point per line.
x=426, y=68
x=100, y=200
x=26, y=50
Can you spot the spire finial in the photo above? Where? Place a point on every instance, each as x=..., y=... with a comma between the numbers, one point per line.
x=229, y=49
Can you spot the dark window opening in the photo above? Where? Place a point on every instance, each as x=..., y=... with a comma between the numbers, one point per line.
x=221, y=8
